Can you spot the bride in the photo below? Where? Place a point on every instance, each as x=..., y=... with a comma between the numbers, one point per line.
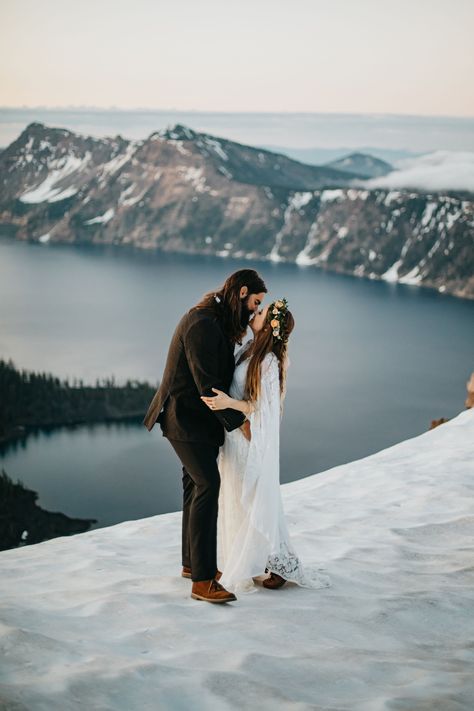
x=253, y=536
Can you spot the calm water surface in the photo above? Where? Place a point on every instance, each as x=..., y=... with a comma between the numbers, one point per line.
x=371, y=364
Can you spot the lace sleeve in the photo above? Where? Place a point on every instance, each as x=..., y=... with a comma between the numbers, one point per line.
x=262, y=472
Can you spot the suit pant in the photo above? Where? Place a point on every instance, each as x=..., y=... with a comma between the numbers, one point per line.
x=201, y=483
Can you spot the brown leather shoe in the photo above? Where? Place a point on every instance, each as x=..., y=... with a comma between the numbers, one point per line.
x=211, y=591
x=274, y=582
x=186, y=573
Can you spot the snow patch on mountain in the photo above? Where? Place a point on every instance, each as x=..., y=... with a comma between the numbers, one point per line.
x=106, y=217
x=59, y=168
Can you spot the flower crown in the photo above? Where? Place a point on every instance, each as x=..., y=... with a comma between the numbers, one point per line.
x=276, y=317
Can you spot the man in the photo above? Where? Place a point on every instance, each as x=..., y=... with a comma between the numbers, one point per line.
x=201, y=357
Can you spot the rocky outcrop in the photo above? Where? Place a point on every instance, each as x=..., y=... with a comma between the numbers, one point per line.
x=469, y=403
x=470, y=392
x=183, y=191
x=23, y=522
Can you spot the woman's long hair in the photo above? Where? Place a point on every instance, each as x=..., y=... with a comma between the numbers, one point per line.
x=229, y=306
x=263, y=343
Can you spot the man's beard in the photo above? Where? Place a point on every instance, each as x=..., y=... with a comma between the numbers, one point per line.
x=245, y=314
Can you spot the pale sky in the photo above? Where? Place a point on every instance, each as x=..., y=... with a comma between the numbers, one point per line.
x=377, y=56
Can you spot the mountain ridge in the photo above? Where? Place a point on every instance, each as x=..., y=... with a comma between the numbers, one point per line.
x=184, y=191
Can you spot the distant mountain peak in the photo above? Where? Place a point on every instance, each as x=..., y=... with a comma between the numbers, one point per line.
x=177, y=132
x=362, y=163
x=37, y=131
x=35, y=125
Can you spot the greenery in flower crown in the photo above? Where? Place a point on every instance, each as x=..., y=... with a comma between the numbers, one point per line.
x=276, y=317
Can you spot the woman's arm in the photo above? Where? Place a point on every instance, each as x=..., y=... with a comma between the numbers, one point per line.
x=222, y=401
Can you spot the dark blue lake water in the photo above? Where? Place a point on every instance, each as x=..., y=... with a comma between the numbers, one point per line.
x=372, y=364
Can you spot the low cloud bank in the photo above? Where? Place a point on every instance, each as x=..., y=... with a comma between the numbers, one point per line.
x=441, y=170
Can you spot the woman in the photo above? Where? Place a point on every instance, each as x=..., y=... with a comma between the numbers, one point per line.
x=252, y=533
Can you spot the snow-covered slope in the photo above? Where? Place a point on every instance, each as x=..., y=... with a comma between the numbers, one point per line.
x=102, y=620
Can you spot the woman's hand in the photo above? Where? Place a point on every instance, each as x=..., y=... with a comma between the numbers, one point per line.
x=221, y=401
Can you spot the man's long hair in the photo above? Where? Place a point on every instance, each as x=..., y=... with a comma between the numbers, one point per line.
x=228, y=305
x=263, y=343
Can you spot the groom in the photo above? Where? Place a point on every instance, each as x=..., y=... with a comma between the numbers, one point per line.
x=201, y=357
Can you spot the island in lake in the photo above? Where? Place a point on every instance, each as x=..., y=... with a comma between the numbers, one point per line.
x=39, y=400
x=32, y=401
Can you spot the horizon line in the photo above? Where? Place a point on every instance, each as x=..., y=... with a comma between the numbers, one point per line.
x=144, y=109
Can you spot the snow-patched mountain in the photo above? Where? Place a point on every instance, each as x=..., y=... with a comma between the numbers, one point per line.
x=103, y=620
x=363, y=164
x=49, y=164
x=179, y=190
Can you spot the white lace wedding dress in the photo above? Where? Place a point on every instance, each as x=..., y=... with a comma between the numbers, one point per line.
x=252, y=532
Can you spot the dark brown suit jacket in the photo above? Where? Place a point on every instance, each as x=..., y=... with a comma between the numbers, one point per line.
x=200, y=358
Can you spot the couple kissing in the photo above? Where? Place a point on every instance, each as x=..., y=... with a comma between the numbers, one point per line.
x=220, y=404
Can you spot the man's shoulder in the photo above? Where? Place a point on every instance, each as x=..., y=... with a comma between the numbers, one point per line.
x=203, y=320
x=204, y=313
x=198, y=316
x=195, y=316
